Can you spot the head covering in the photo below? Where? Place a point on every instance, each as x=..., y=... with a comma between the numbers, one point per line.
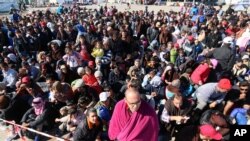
x=214, y=62
x=78, y=83
x=12, y=57
x=176, y=45
x=10, y=47
x=201, y=59
x=98, y=74
x=190, y=38
x=228, y=40
x=29, y=24
x=25, y=79
x=225, y=84
x=103, y=96
x=142, y=36
x=38, y=105
x=80, y=70
x=91, y=64
x=168, y=68
x=245, y=57
x=209, y=130
x=43, y=24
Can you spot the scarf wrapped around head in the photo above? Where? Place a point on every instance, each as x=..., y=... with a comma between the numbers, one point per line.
x=38, y=105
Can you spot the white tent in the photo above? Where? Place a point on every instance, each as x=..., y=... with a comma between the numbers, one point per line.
x=5, y=5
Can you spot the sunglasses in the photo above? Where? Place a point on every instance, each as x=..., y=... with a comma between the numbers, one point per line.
x=37, y=102
x=243, y=89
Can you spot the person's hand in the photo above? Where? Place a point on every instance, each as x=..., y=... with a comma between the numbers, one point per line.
x=186, y=119
x=169, y=83
x=153, y=94
x=213, y=104
x=71, y=129
x=98, y=139
x=30, y=91
x=179, y=119
x=242, y=96
x=25, y=124
x=57, y=120
x=200, y=83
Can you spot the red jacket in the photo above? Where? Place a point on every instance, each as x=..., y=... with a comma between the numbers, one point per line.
x=200, y=73
x=92, y=82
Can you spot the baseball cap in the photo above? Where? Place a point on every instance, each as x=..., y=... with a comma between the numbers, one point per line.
x=12, y=57
x=225, y=84
x=91, y=63
x=98, y=74
x=103, y=96
x=104, y=113
x=245, y=57
x=80, y=70
x=228, y=40
x=43, y=24
x=77, y=83
x=26, y=79
x=209, y=130
x=190, y=38
x=176, y=45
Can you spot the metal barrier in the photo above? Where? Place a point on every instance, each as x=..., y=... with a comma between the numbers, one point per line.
x=34, y=131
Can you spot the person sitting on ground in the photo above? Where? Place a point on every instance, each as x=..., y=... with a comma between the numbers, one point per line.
x=70, y=121
x=39, y=117
x=10, y=77
x=133, y=119
x=176, y=113
x=211, y=95
x=89, y=128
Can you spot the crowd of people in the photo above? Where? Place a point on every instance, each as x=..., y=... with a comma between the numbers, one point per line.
x=103, y=74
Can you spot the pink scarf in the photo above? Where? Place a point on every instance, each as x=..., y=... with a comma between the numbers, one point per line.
x=39, y=106
x=140, y=126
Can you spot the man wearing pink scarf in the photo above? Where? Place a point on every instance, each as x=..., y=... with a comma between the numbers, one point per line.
x=133, y=119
